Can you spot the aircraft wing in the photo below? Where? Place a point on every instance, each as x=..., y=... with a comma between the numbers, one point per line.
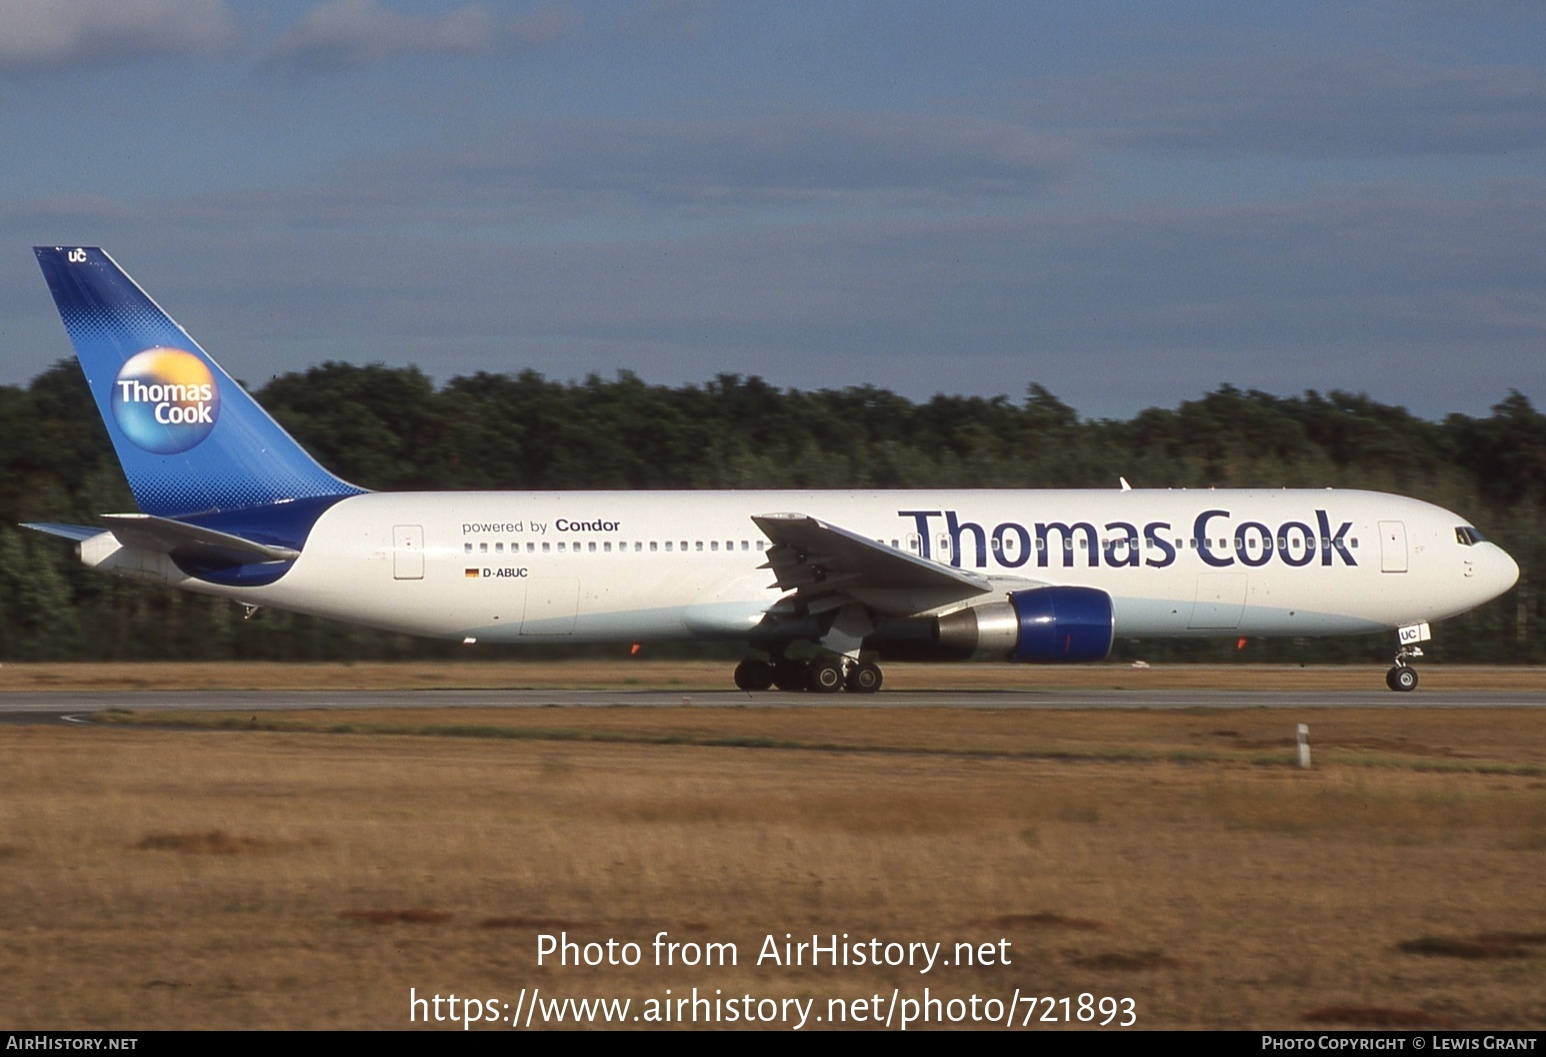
x=182, y=540
x=827, y=567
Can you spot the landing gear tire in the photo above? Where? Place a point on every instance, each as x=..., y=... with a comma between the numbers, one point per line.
x=1403, y=677
x=754, y=676
x=863, y=679
x=791, y=676
x=826, y=677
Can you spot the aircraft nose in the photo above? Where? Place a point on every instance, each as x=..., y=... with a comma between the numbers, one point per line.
x=1506, y=570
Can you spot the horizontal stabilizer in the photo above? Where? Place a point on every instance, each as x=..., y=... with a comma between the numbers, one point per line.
x=69, y=532
x=182, y=540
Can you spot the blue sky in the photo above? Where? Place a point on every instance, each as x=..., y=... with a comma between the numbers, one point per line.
x=1128, y=203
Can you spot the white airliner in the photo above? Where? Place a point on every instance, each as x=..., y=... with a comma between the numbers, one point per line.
x=820, y=586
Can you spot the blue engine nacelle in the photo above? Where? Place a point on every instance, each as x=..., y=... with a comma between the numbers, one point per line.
x=1059, y=624
x=1041, y=625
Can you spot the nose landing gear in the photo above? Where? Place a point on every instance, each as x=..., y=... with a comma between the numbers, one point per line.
x=1403, y=677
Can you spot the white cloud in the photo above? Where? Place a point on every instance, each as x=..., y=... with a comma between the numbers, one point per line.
x=40, y=35
x=339, y=34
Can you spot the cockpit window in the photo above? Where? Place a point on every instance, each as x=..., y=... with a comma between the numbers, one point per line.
x=1468, y=536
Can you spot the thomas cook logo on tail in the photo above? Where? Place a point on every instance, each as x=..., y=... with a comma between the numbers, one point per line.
x=165, y=400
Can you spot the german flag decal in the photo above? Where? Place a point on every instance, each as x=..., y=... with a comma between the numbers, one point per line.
x=470, y=574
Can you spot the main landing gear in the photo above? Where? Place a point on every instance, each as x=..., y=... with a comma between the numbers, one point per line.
x=825, y=675
x=1403, y=677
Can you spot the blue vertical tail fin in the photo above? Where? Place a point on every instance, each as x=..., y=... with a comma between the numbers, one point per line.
x=190, y=439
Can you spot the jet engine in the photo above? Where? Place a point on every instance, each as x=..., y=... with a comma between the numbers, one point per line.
x=1041, y=625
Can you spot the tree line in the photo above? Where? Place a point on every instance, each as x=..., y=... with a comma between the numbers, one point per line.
x=392, y=429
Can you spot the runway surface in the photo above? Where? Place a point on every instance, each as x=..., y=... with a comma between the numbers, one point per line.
x=70, y=706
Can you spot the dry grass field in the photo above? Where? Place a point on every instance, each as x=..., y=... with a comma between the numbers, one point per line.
x=305, y=870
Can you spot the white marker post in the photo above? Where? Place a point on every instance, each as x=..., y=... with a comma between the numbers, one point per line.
x=1304, y=745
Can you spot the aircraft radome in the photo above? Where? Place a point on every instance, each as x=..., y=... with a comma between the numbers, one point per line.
x=820, y=586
